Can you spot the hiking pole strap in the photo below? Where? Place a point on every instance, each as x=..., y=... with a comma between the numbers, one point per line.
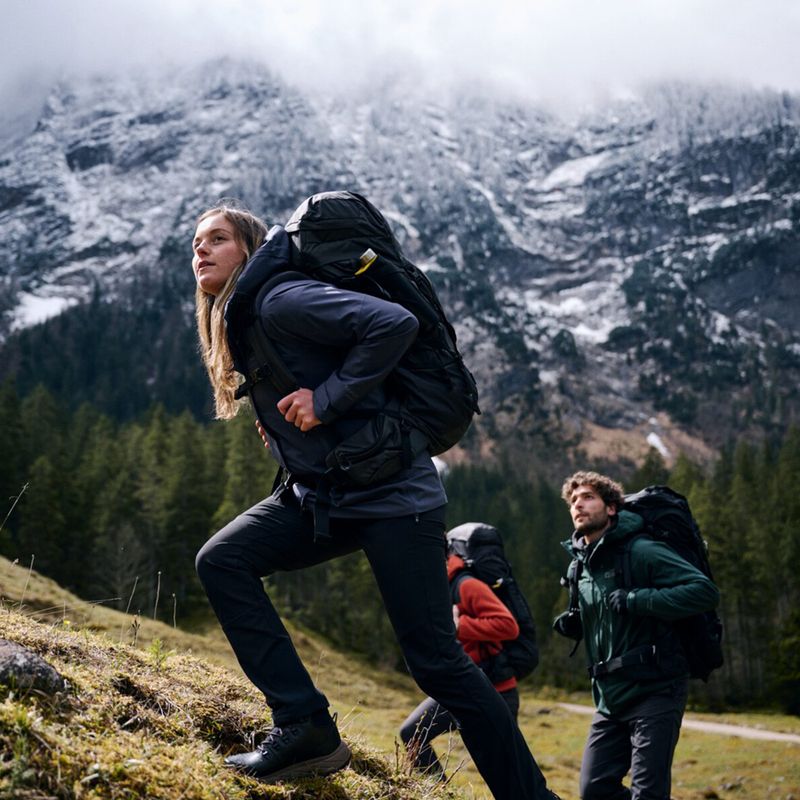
x=647, y=654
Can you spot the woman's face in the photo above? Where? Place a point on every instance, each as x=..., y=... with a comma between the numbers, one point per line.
x=217, y=253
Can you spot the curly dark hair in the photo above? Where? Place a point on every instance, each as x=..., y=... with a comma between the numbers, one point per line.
x=609, y=490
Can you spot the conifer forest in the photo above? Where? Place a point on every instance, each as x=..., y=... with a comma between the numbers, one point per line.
x=116, y=511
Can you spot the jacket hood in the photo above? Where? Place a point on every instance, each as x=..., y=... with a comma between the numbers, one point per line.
x=270, y=258
x=626, y=525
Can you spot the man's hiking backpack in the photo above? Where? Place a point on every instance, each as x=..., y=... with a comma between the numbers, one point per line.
x=342, y=239
x=481, y=548
x=668, y=519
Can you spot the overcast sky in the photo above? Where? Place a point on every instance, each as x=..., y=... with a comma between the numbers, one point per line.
x=543, y=48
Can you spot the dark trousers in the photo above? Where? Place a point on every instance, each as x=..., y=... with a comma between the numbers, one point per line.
x=429, y=720
x=641, y=740
x=407, y=556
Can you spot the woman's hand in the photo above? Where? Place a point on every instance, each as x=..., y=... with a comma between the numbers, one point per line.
x=263, y=434
x=456, y=616
x=298, y=409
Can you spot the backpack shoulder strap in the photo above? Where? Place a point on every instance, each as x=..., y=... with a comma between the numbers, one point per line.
x=623, y=564
x=570, y=582
x=455, y=584
x=270, y=366
x=573, y=576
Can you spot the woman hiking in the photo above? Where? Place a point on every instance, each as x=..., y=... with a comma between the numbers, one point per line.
x=340, y=346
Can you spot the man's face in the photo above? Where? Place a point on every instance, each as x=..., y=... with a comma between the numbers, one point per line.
x=590, y=514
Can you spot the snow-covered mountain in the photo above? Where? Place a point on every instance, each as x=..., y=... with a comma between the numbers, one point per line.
x=619, y=278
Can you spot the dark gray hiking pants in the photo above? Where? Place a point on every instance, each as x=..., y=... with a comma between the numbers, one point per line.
x=641, y=740
x=407, y=556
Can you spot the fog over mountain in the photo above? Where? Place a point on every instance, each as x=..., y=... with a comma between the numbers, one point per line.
x=559, y=51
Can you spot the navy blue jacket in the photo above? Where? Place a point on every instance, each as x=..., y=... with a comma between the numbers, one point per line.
x=342, y=345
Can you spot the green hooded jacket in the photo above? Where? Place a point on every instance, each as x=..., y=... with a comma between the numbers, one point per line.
x=667, y=588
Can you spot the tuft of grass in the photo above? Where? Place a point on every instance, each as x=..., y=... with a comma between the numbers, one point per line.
x=159, y=653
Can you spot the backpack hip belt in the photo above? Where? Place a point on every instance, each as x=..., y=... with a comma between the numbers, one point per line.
x=645, y=655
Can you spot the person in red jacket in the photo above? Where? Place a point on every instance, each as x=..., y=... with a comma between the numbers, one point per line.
x=482, y=622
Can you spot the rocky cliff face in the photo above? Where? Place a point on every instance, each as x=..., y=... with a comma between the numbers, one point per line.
x=623, y=277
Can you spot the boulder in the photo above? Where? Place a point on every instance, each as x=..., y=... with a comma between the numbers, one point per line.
x=22, y=669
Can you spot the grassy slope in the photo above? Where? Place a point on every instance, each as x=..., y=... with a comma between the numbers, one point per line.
x=154, y=720
x=141, y=724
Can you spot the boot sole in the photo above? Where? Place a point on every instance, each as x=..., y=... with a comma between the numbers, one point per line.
x=324, y=765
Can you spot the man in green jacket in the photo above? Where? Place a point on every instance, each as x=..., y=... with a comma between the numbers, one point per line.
x=639, y=706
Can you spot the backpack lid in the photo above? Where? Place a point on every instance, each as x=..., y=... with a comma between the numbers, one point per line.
x=333, y=227
x=464, y=539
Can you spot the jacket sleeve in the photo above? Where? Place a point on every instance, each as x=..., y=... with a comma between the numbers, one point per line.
x=483, y=616
x=673, y=588
x=374, y=333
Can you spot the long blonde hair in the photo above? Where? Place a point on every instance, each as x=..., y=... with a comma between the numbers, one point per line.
x=250, y=232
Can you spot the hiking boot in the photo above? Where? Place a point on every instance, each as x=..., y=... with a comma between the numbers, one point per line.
x=299, y=749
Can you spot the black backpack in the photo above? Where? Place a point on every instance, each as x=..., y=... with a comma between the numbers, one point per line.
x=481, y=547
x=668, y=519
x=341, y=238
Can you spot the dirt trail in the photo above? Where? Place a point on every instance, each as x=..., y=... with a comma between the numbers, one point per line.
x=711, y=727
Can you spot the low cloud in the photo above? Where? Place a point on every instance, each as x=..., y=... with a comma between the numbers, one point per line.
x=545, y=49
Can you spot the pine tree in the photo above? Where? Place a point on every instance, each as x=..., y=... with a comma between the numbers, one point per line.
x=89, y=451
x=652, y=471
x=150, y=458
x=43, y=530
x=118, y=523
x=42, y=426
x=785, y=505
x=13, y=468
x=685, y=474
x=248, y=470
x=189, y=498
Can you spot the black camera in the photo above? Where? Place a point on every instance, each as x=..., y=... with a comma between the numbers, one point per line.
x=569, y=624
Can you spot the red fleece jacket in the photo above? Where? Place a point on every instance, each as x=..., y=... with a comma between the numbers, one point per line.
x=483, y=621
